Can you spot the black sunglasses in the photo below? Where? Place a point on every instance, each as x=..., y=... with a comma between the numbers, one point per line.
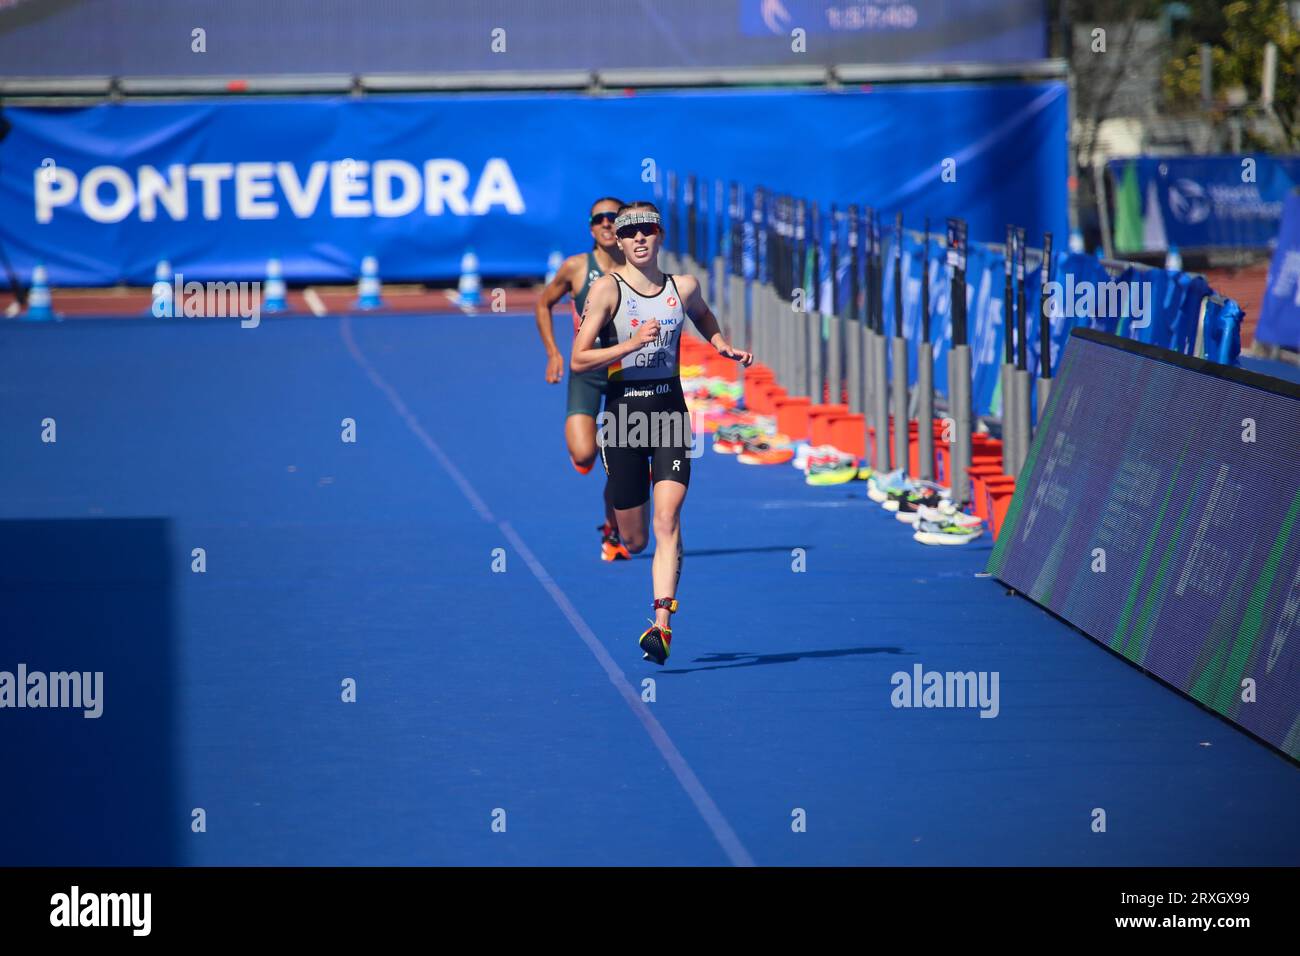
x=645, y=228
x=598, y=218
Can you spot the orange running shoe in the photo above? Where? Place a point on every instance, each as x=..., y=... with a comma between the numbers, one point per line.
x=765, y=453
x=579, y=469
x=611, y=548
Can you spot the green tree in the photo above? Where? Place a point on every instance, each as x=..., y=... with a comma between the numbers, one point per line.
x=1237, y=37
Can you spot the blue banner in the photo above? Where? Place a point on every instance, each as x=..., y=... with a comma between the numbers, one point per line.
x=101, y=194
x=1279, y=316
x=1148, y=305
x=1200, y=202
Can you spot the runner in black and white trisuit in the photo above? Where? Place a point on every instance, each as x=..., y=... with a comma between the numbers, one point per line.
x=586, y=390
x=632, y=326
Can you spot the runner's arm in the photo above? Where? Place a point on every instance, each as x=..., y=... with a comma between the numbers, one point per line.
x=706, y=321
x=553, y=292
x=602, y=300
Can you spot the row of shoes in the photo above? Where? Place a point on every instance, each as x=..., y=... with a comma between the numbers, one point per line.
x=926, y=506
x=754, y=440
x=712, y=401
x=756, y=443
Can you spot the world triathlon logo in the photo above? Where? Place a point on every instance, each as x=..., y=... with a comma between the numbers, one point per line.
x=775, y=16
x=1188, y=201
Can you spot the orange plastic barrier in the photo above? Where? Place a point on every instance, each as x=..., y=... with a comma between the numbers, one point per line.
x=1000, y=496
x=792, y=416
x=981, y=476
x=819, y=421
x=756, y=378
x=991, y=487
x=765, y=397
x=848, y=434
x=984, y=445
x=719, y=366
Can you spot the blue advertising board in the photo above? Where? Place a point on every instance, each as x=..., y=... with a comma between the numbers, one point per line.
x=1200, y=202
x=1140, y=463
x=101, y=194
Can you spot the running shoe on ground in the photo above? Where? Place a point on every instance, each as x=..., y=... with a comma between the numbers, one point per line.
x=894, y=496
x=730, y=439
x=910, y=505
x=915, y=495
x=820, y=455
x=879, y=486
x=656, y=643
x=761, y=451
x=947, y=512
x=945, y=533
x=836, y=470
x=611, y=548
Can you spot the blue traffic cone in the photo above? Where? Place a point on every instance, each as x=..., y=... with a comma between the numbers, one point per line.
x=368, y=296
x=273, y=289
x=39, y=307
x=163, y=298
x=469, y=288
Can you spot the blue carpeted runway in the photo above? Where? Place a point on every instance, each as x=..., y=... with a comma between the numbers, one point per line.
x=521, y=690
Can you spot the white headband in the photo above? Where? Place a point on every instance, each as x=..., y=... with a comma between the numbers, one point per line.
x=636, y=218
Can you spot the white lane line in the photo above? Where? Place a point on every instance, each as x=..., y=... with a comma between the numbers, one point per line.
x=313, y=300
x=454, y=298
x=413, y=423
x=722, y=830
x=704, y=803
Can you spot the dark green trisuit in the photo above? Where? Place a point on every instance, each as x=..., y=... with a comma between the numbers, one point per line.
x=586, y=388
